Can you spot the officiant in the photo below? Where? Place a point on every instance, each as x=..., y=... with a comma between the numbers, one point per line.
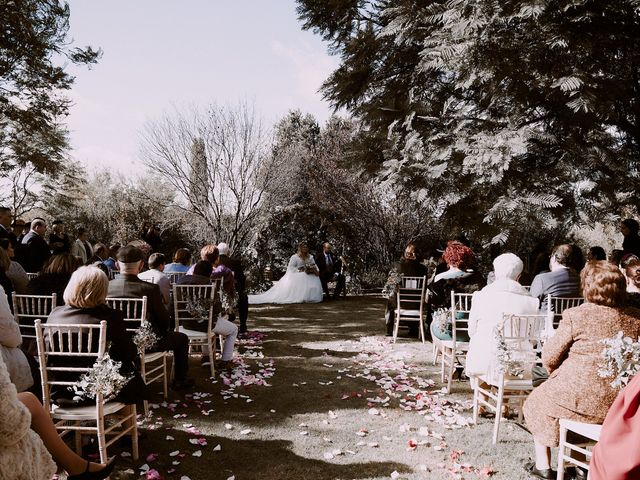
x=330, y=268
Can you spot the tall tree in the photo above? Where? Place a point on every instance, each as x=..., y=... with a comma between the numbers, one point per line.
x=527, y=111
x=34, y=50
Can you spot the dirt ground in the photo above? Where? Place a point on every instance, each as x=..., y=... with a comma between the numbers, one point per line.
x=320, y=393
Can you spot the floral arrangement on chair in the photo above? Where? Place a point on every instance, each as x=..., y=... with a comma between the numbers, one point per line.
x=229, y=303
x=198, y=308
x=391, y=287
x=621, y=360
x=507, y=363
x=441, y=321
x=145, y=338
x=104, y=378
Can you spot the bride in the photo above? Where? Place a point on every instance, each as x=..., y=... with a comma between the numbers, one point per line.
x=300, y=284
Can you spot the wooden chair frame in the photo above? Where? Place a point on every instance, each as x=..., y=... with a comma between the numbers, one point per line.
x=588, y=430
x=453, y=351
x=411, y=291
x=520, y=330
x=181, y=295
x=28, y=308
x=153, y=365
x=57, y=340
x=175, y=276
x=557, y=305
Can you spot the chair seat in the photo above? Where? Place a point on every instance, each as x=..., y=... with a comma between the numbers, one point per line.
x=589, y=430
x=509, y=383
x=459, y=345
x=152, y=357
x=87, y=412
x=408, y=313
x=193, y=334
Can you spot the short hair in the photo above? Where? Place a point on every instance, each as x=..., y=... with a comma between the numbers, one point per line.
x=631, y=224
x=563, y=254
x=37, y=222
x=62, y=263
x=87, y=288
x=5, y=243
x=130, y=254
x=4, y=210
x=632, y=271
x=203, y=268
x=223, y=248
x=458, y=255
x=616, y=256
x=209, y=253
x=81, y=231
x=5, y=261
x=597, y=253
x=507, y=265
x=100, y=249
x=113, y=249
x=156, y=259
x=603, y=284
x=183, y=256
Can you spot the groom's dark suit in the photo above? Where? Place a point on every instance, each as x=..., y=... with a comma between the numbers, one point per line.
x=330, y=268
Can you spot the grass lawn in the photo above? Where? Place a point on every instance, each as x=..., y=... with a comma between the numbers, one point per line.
x=320, y=393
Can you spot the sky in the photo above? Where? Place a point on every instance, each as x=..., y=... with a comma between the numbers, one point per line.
x=161, y=54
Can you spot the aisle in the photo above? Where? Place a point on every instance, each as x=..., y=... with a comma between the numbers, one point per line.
x=320, y=394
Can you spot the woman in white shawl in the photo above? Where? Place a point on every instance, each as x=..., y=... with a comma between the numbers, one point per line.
x=504, y=295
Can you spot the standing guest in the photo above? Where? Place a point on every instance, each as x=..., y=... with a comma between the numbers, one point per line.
x=35, y=248
x=20, y=228
x=572, y=356
x=240, y=279
x=631, y=243
x=221, y=271
x=111, y=263
x=59, y=241
x=15, y=272
x=5, y=226
x=561, y=281
x=330, y=269
x=151, y=235
x=10, y=341
x=54, y=276
x=596, y=253
x=155, y=275
x=181, y=262
x=81, y=248
x=128, y=285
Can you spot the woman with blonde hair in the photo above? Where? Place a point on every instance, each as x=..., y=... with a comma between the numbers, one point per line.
x=85, y=303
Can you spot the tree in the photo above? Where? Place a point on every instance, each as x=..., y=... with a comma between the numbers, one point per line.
x=509, y=117
x=217, y=163
x=34, y=50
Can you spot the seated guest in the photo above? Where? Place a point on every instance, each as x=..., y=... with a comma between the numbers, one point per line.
x=459, y=277
x=503, y=295
x=100, y=254
x=240, y=280
x=59, y=241
x=202, y=276
x=616, y=455
x=5, y=281
x=15, y=272
x=128, y=285
x=29, y=440
x=85, y=303
x=596, y=253
x=10, y=340
x=409, y=266
x=54, y=276
x=35, y=249
x=155, y=275
x=181, y=262
x=81, y=248
x=221, y=271
x=632, y=274
x=631, y=243
x=561, y=281
x=572, y=356
x=111, y=263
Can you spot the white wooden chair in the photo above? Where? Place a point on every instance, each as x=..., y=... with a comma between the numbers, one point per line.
x=590, y=431
x=410, y=303
x=31, y=275
x=557, y=305
x=184, y=296
x=175, y=276
x=66, y=345
x=153, y=366
x=28, y=308
x=455, y=350
x=523, y=336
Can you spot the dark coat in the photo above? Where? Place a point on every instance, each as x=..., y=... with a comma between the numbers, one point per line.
x=130, y=286
x=412, y=268
x=35, y=253
x=65, y=241
x=327, y=271
x=10, y=235
x=122, y=349
x=563, y=282
x=235, y=265
x=49, y=283
x=193, y=280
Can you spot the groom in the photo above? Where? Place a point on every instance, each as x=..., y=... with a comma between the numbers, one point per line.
x=330, y=270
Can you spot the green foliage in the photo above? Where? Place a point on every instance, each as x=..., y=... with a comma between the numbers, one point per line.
x=34, y=50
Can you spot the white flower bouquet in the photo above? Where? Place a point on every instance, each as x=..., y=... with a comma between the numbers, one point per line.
x=104, y=378
x=391, y=287
x=621, y=360
x=509, y=362
x=145, y=338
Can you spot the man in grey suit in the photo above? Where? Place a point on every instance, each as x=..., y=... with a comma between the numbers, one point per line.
x=128, y=285
x=561, y=281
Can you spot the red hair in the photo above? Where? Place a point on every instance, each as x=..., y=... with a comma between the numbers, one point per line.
x=458, y=255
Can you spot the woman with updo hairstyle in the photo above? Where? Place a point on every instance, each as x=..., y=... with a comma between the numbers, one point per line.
x=460, y=277
x=572, y=356
x=54, y=276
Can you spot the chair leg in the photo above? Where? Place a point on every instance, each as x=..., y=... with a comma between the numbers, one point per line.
x=134, y=432
x=102, y=441
x=475, y=404
x=396, y=325
x=498, y=417
x=212, y=356
x=146, y=407
x=78, y=439
x=164, y=376
x=452, y=369
x=561, y=452
x=421, y=330
x=444, y=363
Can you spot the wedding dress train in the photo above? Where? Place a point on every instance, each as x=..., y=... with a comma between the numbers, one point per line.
x=294, y=287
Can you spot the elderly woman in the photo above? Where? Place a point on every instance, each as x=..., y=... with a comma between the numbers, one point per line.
x=574, y=389
x=84, y=299
x=504, y=295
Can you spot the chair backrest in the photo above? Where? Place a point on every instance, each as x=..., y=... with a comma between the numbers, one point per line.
x=195, y=302
x=524, y=335
x=61, y=346
x=460, y=308
x=27, y=308
x=175, y=276
x=134, y=310
x=411, y=293
x=557, y=305
x=31, y=275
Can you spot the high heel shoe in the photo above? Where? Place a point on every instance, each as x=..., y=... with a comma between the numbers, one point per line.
x=98, y=474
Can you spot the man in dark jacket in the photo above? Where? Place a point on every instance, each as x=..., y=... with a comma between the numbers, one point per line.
x=128, y=285
x=330, y=268
x=35, y=251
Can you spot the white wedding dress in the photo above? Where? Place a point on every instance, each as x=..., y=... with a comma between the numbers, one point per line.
x=294, y=287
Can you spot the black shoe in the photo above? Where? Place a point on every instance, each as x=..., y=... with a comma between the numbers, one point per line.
x=183, y=384
x=97, y=475
x=575, y=473
x=547, y=473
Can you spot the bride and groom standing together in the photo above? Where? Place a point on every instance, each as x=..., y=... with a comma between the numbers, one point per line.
x=306, y=279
